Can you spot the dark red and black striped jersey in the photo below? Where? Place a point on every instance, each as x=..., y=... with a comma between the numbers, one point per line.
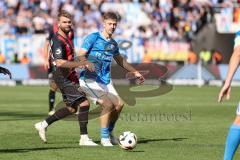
x=53, y=30
x=62, y=48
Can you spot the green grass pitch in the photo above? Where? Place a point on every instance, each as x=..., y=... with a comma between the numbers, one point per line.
x=185, y=124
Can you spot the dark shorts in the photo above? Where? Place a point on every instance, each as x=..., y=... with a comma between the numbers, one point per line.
x=72, y=96
x=70, y=93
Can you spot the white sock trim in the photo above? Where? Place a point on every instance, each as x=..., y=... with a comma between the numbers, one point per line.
x=44, y=124
x=84, y=136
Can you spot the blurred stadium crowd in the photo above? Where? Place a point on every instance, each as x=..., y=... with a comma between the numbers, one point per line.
x=165, y=19
x=145, y=20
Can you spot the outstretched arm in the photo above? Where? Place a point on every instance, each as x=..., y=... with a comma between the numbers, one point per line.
x=233, y=65
x=59, y=61
x=81, y=63
x=121, y=61
x=81, y=56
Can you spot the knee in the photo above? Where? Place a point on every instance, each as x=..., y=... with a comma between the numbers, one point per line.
x=108, y=106
x=119, y=107
x=72, y=109
x=84, y=103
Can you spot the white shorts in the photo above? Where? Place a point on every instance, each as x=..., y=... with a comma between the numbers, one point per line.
x=95, y=90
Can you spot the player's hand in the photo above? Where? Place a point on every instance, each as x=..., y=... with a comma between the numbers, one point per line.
x=46, y=65
x=5, y=71
x=140, y=77
x=225, y=91
x=89, y=66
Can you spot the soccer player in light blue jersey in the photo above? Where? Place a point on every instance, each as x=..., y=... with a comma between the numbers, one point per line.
x=233, y=138
x=100, y=48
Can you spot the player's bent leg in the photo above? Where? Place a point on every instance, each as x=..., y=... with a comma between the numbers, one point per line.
x=41, y=127
x=83, y=122
x=96, y=92
x=61, y=113
x=107, y=108
x=116, y=100
x=113, y=119
x=116, y=113
x=118, y=106
x=233, y=139
x=51, y=97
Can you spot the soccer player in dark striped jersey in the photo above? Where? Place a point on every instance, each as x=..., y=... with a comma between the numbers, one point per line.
x=53, y=86
x=66, y=79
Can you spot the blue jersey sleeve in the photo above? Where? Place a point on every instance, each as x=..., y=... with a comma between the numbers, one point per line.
x=88, y=42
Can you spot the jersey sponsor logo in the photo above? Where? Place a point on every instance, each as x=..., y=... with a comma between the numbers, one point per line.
x=58, y=51
x=103, y=56
x=110, y=47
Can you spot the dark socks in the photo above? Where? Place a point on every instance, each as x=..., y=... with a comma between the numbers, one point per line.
x=59, y=114
x=51, y=98
x=111, y=126
x=83, y=119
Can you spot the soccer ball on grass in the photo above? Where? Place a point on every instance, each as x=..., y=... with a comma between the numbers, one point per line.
x=127, y=140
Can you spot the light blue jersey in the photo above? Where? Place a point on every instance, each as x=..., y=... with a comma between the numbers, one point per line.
x=100, y=52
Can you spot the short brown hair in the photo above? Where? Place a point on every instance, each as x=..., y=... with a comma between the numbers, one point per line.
x=64, y=13
x=110, y=15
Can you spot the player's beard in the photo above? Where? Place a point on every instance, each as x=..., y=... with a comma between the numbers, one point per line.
x=65, y=30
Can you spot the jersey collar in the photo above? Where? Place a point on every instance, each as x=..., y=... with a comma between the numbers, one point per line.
x=101, y=35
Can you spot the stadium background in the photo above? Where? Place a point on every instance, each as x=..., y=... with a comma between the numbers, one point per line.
x=181, y=122
x=176, y=34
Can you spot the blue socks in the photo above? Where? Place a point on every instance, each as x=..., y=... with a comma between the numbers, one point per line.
x=232, y=142
x=104, y=133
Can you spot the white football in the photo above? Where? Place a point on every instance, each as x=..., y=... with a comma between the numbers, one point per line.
x=127, y=140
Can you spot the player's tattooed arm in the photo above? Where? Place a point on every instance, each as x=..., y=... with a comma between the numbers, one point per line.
x=68, y=64
x=81, y=56
x=59, y=60
x=121, y=61
x=74, y=64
